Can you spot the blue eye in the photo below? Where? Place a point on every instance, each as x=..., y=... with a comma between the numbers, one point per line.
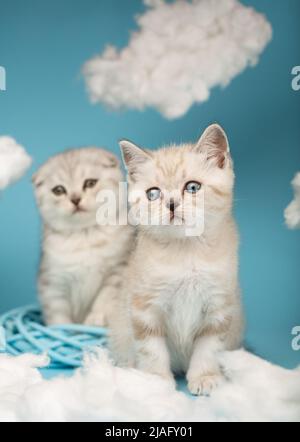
x=192, y=187
x=153, y=194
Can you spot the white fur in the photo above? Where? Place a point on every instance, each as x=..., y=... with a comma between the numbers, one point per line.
x=181, y=50
x=255, y=391
x=82, y=262
x=14, y=161
x=292, y=213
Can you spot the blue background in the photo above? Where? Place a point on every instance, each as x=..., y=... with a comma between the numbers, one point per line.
x=43, y=45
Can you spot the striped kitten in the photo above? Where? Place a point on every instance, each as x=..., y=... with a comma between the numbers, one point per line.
x=182, y=300
x=82, y=261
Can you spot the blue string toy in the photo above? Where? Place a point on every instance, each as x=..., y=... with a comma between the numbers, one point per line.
x=23, y=331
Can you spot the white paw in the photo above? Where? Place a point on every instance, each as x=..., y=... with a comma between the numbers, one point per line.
x=96, y=320
x=203, y=385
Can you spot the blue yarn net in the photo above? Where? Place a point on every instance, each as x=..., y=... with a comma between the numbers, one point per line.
x=23, y=331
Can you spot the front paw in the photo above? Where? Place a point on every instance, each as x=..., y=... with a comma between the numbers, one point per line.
x=96, y=320
x=203, y=385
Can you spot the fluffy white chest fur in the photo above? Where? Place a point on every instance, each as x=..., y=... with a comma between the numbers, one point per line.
x=190, y=292
x=185, y=306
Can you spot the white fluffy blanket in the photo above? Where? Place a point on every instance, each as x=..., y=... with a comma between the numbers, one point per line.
x=14, y=161
x=255, y=391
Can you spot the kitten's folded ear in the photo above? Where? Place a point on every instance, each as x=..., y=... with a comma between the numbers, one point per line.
x=215, y=143
x=36, y=179
x=133, y=156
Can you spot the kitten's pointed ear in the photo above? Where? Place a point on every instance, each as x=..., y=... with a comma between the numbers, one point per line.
x=214, y=141
x=133, y=156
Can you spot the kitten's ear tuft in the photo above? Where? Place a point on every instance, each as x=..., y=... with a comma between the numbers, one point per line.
x=215, y=142
x=133, y=156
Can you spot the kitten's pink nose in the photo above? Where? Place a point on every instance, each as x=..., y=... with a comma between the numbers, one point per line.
x=76, y=201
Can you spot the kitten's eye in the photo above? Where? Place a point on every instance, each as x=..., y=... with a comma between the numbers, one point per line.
x=192, y=187
x=153, y=194
x=59, y=191
x=89, y=184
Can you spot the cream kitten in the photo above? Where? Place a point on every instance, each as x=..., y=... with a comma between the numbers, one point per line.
x=82, y=261
x=182, y=302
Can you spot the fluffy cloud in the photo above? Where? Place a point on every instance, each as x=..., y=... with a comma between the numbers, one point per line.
x=292, y=213
x=181, y=51
x=257, y=391
x=14, y=161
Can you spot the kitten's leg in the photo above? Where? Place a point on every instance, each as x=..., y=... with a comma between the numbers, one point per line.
x=152, y=354
x=223, y=331
x=56, y=310
x=55, y=305
x=204, y=373
x=121, y=340
x=105, y=302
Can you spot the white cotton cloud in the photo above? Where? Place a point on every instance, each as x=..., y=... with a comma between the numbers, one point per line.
x=256, y=391
x=292, y=213
x=180, y=52
x=14, y=161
